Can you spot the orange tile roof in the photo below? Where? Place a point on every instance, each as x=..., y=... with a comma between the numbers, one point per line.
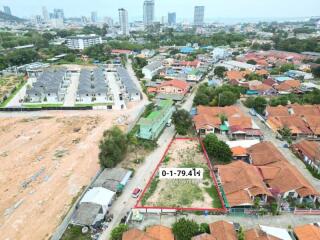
x=264, y=153
x=160, y=232
x=293, y=83
x=176, y=83
x=238, y=151
x=307, y=232
x=203, y=121
x=277, y=111
x=311, y=149
x=288, y=85
x=235, y=75
x=257, y=234
x=313, y=122
x=241, y=181
x=223, y=230
x=156, y=232
x=277, y=172
x=260, y=87
x=305, y=110
x=262, y=72
x=136, y=234
x=244, y=122
x=204, y=236
x=295, y=123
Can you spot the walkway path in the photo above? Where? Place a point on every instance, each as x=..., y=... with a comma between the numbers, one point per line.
x=71, y=95
x=115, y=89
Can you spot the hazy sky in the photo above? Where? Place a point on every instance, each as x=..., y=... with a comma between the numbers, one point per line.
x=183, y=8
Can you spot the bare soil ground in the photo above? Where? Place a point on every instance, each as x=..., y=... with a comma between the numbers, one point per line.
x=45, y=162
x=183, y=193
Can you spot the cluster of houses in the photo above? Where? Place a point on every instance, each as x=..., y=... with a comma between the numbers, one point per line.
x=49, y=87
x=259, y=170
x=127, y=85
x=262, y=172
x=223, y=230
x=227, y=120
x=93, y=87
x=302, y=120
x=92, y=209
x=261, y=64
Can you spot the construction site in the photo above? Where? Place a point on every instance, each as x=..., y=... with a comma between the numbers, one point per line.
x=47, y=160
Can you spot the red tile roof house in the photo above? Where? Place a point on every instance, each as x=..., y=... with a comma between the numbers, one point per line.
x=309, y=152
x=121, y=51
x=220, y=230
x=242, y=184
x=279, y=175
x=208, y=120
x=173, y=87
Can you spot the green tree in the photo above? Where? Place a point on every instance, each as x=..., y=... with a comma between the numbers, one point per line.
x=220, y=71
x=286, y=67
x=113, y=147
x=259, y=104
x=251, y=61
x=241, y=234
x=286, y=134
x=316, y=71
x=182, y=121
x=216, y=149
x=204, y=228
x=185, y=229
x=226, y=98
x=117, y=232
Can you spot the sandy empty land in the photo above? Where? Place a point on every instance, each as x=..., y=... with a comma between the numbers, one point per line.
x=45, y=161
x=183, y=193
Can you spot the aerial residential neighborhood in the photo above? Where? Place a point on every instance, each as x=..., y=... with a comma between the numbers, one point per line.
x=160, y=120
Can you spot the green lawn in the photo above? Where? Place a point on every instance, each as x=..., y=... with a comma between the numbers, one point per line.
x=212, y=191
x=40, y=105
x=92, y=104
x=74, y=233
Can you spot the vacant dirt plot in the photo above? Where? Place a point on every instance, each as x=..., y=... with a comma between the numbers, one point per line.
x=183, y=193
x=45, y=162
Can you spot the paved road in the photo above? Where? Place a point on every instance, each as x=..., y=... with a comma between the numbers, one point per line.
x=125, y=202
x=115, y=89
x=269, y=135
x=15, y=101
x=71, y=95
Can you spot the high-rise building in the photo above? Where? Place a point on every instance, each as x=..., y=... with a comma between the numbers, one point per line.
x=94, y=17
x=123, y=20
x=148, y=12
x=38, y=20
x=7, y=10
x=198, y=15
x=58, y=13
x=172, y=18
x=45, y=14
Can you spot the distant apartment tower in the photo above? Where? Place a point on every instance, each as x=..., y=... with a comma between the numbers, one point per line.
x=148, y=12
x=7, y=10
x=38, y=20
x=58, y=13
x=81, y=42
x=45, y=14
x=123, y=20
x=94, y=17
x=198, y=15
x=172, y=18
x=109, y=21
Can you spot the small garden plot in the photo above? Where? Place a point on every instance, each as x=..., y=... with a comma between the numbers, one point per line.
x=182, y=193
x=8, y=85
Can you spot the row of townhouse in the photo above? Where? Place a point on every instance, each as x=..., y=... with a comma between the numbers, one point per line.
x=50, y=86
x=127, y=85
x=302, y=120
x=93, y=87
x=309, y=152
x=266, y=175
x=225, y=120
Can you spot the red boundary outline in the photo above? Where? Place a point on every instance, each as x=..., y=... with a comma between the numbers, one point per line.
x=221, y=210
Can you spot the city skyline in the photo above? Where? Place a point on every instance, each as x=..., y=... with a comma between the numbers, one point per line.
x=229, y=9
